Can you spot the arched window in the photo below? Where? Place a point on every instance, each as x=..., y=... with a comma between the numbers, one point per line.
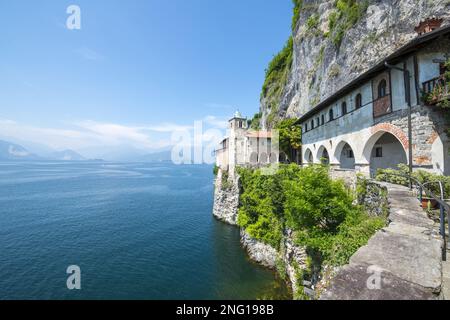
x=344, y=108
x=331, y=115
x=306, y=127
x=382, y=89
x=312, y=124
x=358, y=101
x=323, y=119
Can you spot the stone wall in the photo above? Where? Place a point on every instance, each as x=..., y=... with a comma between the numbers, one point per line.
x=373, y=196
x=428, y=124
x=348, y=176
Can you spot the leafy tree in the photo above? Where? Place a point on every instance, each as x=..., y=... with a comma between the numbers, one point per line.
x=306, y=200
x=290, y=136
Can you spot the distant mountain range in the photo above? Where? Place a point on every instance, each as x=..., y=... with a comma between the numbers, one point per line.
x=156, y=157
x=12, y=151
x=67, y=155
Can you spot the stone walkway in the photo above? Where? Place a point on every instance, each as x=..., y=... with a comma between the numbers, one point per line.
x=401, y=262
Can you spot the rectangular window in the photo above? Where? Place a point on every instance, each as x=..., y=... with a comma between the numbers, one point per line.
x=350, y=154
x=323, y=119
x=379, y=152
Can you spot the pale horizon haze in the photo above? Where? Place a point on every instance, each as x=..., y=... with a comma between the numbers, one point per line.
x=135, y=72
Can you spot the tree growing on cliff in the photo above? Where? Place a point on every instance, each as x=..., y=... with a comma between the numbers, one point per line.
x=290, y=137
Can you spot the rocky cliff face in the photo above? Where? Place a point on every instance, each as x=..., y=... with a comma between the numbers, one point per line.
x=291, y=258
x=336, y=41
x=226, y=200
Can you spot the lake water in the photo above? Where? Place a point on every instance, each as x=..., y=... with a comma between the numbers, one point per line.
x=137, y=231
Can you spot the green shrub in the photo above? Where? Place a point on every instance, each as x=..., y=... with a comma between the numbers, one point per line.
x=216, y=170
x=314, y=202
x=394, y=176
x=255, y=122
x=226, y=183
x=346, y=15
x=312, y=22
x=296, y=16
x=276, y=73
x=290, y=136
x=391, y=176
x=352, y=236
x=318, y=209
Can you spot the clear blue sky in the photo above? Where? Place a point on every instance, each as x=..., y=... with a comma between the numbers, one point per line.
x=134, y=63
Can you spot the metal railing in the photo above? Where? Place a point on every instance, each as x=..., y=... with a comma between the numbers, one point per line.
x=438, y=88
x=422, y=188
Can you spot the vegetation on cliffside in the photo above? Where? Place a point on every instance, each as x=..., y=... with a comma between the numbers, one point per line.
x=319, y=210
x=290, y=136
x=345, y=16
x=277, y=75
x=278, y=71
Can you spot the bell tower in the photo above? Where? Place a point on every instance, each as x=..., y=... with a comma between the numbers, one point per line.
x=238, y=129
x=238, y=122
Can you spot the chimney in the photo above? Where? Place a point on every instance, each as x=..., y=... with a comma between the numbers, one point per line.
x=428, y=25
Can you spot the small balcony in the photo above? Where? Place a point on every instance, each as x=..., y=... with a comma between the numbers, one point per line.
x=436, y=90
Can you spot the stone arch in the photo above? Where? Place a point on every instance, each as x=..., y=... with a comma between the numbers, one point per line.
x=377, y=132
x=345, y=149
x=254, y=158
x=384, y=150
x=263, y=158
x=323, y=153
x=309, y=158
x=273, y=158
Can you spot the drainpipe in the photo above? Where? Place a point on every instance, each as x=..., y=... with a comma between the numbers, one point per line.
x=406, y=78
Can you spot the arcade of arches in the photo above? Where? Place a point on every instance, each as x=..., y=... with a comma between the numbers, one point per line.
x=381, y=150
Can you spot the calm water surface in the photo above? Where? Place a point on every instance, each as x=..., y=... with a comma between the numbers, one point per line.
x=137, y=231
